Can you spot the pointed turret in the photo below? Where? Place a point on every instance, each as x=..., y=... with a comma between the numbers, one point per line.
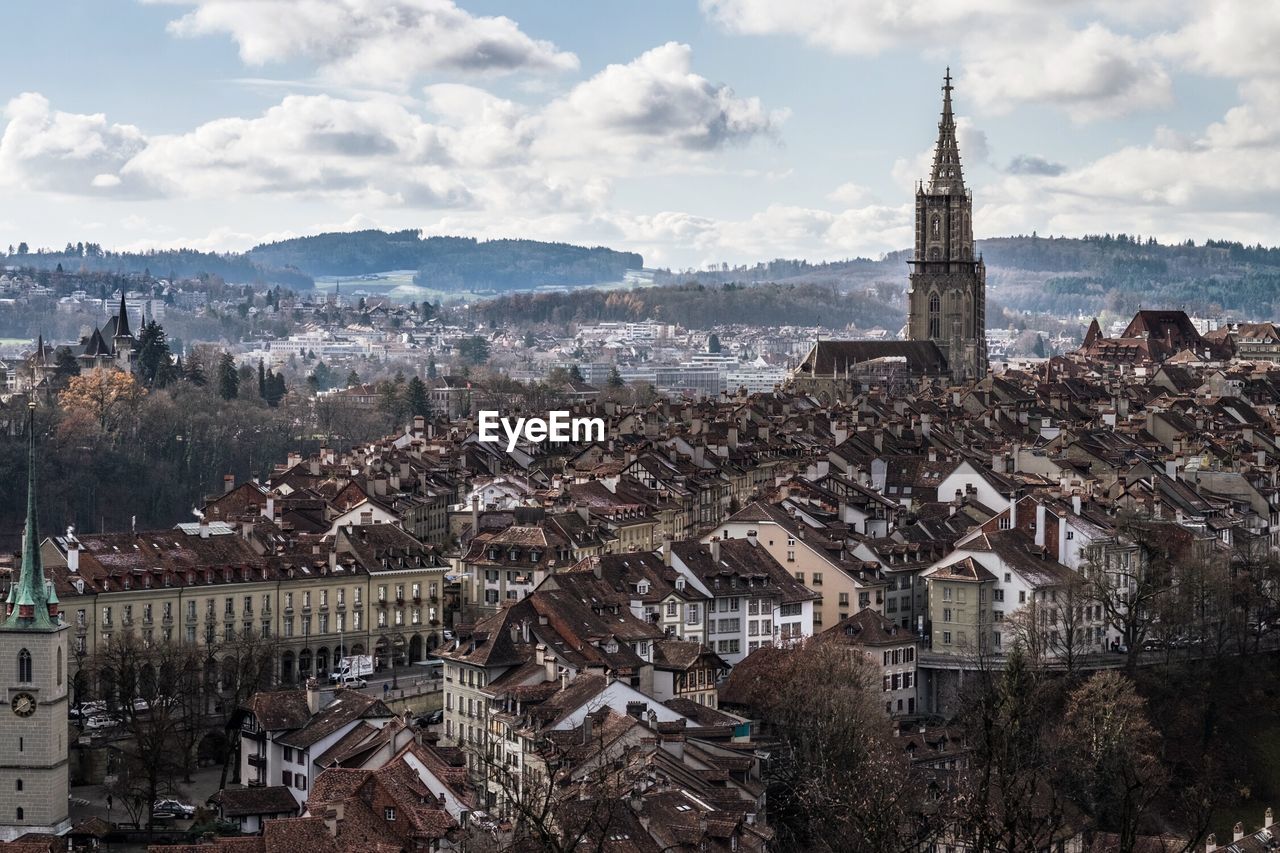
x=122, y=319
x=30, y=604
x=947, y=177
x=1093, y=334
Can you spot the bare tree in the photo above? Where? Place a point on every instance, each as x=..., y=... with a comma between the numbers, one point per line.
x=1058, y=629
x=837, y=780
x=143, y=680
x=1008, y=800
x=1130, y=577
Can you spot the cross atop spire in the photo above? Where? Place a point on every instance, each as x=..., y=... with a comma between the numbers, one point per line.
x=947, y=177
x=32, y=603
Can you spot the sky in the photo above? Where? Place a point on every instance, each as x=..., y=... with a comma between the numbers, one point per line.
x=692, y=132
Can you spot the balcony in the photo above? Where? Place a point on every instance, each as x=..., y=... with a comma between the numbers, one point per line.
x=256, y=760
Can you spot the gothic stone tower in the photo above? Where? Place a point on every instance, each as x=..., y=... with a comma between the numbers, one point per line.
x=33, y=656
x=947, y=297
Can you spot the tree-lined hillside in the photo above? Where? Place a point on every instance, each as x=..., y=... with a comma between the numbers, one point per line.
x=450, y=263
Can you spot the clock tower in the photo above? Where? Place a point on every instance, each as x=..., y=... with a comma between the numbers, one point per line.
x=33, y=671
x=947, y=297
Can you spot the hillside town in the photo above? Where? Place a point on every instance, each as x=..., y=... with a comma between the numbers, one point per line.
x=600, y=605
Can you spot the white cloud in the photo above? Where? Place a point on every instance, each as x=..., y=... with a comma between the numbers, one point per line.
x=1014, y=51
x=459, y=146
x=1230, y=38
x=1092, y=73
x=46, y=149
x=653, y=106
x=371, y=42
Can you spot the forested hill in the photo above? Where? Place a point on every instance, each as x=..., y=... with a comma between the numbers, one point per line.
x=1065, y=275
x=450, y=263
x=161, y=263
x=703, y=306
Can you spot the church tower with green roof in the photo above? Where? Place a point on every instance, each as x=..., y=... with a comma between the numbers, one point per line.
x=34, y=748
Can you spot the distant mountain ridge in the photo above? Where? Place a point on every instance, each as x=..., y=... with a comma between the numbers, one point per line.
x=1065, y=275
x=449, y=263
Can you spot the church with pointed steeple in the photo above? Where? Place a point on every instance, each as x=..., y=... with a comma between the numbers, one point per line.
x=947, y=296
x=114, y=345
x=33, y=657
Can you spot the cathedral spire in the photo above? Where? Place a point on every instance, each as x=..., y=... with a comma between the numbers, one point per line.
x=30, y=603
x=946, y=178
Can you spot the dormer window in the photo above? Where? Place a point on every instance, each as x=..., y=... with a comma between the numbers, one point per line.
x=493, y=553
x=680, y=582
x=642, y=588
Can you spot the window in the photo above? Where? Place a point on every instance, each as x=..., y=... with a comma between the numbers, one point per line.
x=389, y=813
x=946, y=593
x=844, y=599
x=946, y=638
x=817, y=578
x=288, y=753
x=671, y=609
x=1004, y=522
x=17, y=785
x=58, y=666
x=800, y=576
x=1022, y=596
x=946, y=614
x=24, y=666
x=935, y=316
x=286, y=778
x=300, y=782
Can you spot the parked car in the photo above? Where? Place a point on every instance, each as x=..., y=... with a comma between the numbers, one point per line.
x=353, y=682
x=141, y=706
x=435, y=718
x=100, y=721
x=87, y=709
x=172, y=809
x=1152, y=644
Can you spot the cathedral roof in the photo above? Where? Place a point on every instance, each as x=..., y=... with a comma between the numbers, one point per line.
x=833, y=357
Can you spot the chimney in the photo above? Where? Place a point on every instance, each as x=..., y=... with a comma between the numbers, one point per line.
x=228, y=483
x=1267, y=818
x=475, y=514
x=715, y=549
x=1075, y=503
x=733, y=437
x=293, y=459
x=926, y=424
x=313, y=696
x=270, y=511
x=204, y=528
x=1040, y=522
x=1237, y=832
x=588, y=723
x=666, y=549
x=753, y=538
x=1210, y=843
x=73, y=551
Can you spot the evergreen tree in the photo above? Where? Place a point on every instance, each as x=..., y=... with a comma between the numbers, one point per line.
x=153, y=354
x=193, y=371
x=66, y=364
x=353, y=379
x=323, y=376
x=713, y=343
x=615, y=378
x=416, y=397
x=262, y=380
x=228, y=377
x=432, y=373
x=575, y=374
